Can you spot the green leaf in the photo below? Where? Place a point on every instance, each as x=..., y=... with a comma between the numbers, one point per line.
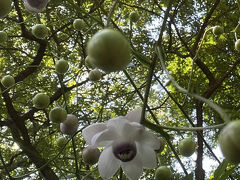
x=227, y=173
x=220, y=169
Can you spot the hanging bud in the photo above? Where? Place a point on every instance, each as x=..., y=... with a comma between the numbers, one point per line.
x=187, y=147
x=229, y=141
x=94, y=75
x=5, y=7
x=90, y=155
x=61, y=142
x=35, y=6
x=70, y=125
x=163, y=172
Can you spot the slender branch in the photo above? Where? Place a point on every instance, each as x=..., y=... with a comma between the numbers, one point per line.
x=76, y=159
x=216, y=85
x=58, y=93
x=111, y=13
x=34, y=65
x=205, y=23
x=153, y=64
x=141, y=8
x=158, y=129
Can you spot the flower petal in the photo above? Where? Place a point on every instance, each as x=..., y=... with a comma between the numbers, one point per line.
x=147, y=155
x=117, y=123
x=92, y=130
x=135, y=115
x=107, y=163
x=132, y=131
x=133, y=169
x=104, y=138
x=149, y=139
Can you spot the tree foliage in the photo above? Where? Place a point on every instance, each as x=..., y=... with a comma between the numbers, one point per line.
x=199, y=61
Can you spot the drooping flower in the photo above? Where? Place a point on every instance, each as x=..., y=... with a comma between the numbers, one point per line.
x=127, y=144
x=35, y=6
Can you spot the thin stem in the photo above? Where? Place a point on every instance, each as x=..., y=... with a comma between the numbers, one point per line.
x=189, y=119
x=193, y=60
x=235, y=33
x=138, y=92
x=60, y=78
x=121, y=174
x=166, y=15
x=158, y=129
x=111, y=13
x=153, y=64
x=201, y=43
x=76, y=160
x=149, y=82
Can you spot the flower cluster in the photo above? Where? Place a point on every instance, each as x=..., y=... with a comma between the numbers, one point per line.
x=127, y=144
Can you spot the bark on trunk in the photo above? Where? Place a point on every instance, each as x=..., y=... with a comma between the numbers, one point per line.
x=199, y=172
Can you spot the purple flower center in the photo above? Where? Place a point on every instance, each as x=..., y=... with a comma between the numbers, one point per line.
x=125, y=151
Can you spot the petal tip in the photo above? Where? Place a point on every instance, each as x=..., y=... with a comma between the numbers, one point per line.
x=135, y=115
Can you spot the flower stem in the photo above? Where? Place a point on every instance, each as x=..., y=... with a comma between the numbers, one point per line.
x=76, y=160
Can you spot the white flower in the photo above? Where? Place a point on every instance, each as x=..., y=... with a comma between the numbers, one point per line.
x=35, y=5
x=126, y=143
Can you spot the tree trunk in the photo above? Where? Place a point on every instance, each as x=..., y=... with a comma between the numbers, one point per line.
x=199, y=171
x=32, y=153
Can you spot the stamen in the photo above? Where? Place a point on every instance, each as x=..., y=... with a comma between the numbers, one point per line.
x=125, y=151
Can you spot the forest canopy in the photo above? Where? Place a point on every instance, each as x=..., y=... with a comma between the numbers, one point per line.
x=119, y=89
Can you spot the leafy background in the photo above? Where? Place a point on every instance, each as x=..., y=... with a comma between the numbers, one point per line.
x=28, y=147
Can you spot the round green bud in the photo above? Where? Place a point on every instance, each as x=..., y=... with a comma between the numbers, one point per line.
x=88, y=62
x=61, y=66
x=218, y=30
x=41, y=100
x=5, y=7
x=134, y=17
x=79, y=24
x=3, y=36
x=109, y=50
x=94, y=75
x=57, y=115
x=163, y=173
x=229, y=141
x=61, y=142
x=90, y=155
x=40, y=31
x=8, y=81
x=187, y=147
